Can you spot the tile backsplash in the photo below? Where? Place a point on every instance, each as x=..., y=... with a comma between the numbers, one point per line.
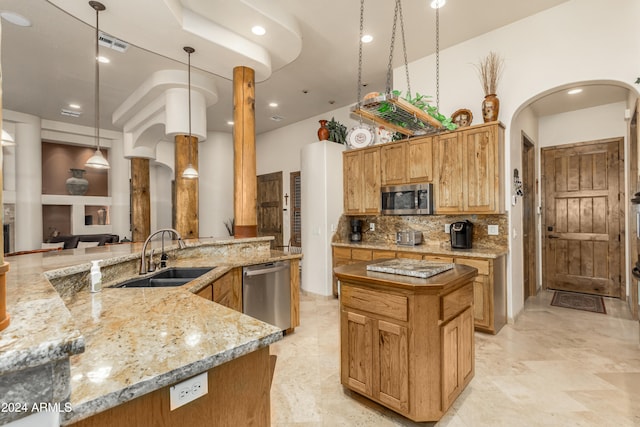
x=432, y=227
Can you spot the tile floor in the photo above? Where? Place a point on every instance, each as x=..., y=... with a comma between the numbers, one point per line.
x=553, y=367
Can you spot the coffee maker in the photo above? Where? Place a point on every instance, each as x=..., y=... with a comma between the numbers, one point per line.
x=461, y=234
x=356, y=230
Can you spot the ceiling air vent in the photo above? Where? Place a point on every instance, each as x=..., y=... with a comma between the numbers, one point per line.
x=70, y=113
x=277, y=118
x=109, y=41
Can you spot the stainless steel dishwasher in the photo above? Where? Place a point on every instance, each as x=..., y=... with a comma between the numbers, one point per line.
x=266, y=293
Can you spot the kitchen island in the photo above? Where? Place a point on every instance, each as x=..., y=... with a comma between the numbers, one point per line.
x=407, y=342
x=97, y=352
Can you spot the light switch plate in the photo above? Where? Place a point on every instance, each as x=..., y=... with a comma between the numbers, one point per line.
x=188, y=391
x=372, y=226
x=493, y=230
x=447, y=228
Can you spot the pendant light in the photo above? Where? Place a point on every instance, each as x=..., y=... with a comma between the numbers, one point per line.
x=190, y=172
x=97, y=161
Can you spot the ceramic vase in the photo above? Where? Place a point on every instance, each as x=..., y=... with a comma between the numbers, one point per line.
x=490, y=108
x=323, y=132
x=77, y=185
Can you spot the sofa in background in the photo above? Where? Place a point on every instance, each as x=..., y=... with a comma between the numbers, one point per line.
x=72, y=241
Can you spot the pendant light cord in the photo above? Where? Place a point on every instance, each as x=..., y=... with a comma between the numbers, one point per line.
x=189, y=83
x=97, y=78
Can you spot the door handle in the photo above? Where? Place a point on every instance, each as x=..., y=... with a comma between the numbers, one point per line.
x=551, y=236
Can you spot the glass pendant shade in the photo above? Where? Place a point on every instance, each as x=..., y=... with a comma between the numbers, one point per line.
x=7, y=139
x=190, y=172
x=97, y=161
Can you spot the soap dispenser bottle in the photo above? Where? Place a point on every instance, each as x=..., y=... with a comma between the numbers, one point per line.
x=96, y=277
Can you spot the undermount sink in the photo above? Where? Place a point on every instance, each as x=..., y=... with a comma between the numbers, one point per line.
x=175, y=276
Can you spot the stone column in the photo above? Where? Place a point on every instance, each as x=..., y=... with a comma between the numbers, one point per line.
x=140, y=200
x=244, y=147
x=186, y=200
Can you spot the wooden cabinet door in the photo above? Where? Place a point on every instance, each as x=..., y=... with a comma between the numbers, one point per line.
x=206, y=293
x=353, y=172
x=482, y=302
x=449, y=188
x=361, y=181
x=356, y=335
x=391, y=365
x=420, y=160
x=457, y=356
x=480, y=176
x=371, y=181
x=227, y=290
x=394, y=164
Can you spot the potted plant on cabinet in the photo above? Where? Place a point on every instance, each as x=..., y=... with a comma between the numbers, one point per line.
x=337, y=131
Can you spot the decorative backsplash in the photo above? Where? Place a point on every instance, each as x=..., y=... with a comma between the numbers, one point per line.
x=431, y=226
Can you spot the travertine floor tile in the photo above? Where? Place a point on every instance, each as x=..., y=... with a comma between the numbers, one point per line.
x=553, y=367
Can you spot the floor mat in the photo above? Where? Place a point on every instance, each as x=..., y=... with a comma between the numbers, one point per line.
x=577, y=301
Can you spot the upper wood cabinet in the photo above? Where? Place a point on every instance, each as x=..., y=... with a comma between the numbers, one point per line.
x=469, y=170
x=361, y=175
x=466, y=167
x=420, y=159
x=393, y=164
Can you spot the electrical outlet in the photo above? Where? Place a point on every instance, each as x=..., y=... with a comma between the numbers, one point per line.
x=372, y=226
x=447, y=228
x=188, y=391
x=493, y=230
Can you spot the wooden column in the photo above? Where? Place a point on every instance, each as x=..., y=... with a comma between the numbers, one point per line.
x=186, y=200
x=244, y=148
x=140, y=200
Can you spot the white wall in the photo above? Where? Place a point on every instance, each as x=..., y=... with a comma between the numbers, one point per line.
x=577, y=41
x=215, y=166
x=279, y=150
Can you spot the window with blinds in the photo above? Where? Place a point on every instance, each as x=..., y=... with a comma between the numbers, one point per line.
x=296, y=219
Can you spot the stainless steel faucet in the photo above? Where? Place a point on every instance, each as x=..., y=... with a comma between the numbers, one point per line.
x=143, y=260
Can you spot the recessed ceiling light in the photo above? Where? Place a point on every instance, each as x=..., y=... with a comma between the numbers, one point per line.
x=76, y=106
x=230, y=122
x=367, y=38
x=258, y=30
x=273, y=104
x=103, y=59
x=437, y=4
x=15, y=18
x=277, y=118
x=574, y=91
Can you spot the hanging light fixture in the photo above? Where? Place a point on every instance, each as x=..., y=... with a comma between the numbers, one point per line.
x=190, y=172
x=97, y=161
x=7, y=139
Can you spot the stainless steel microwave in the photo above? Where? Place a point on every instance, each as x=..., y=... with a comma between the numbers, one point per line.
x=410, y=199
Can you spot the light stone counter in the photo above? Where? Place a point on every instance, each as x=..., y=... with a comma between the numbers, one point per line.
x=122, y=343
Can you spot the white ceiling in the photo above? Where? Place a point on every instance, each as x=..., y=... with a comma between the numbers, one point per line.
x=307, y=63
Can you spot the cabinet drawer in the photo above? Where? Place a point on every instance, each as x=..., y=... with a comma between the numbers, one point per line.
x=342, y=253
x=383, y=304
x=361, y=254
x=384, y=254
x=480, y=264
x=409, y=255
x=456, y=301
x=438, y=258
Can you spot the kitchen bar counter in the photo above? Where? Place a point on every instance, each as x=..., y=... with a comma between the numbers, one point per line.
x=122, y=343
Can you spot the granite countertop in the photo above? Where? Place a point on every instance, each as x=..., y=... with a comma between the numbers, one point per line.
x=127, y=342
x=426, y=248
x=359, y=273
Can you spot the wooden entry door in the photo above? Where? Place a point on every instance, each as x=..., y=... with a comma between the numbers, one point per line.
x=530, y=188
x=582, y=218
x=269, y=205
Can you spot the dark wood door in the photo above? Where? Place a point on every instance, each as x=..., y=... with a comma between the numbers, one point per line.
x=529, y=187
x=269, y=205
x=582, y=218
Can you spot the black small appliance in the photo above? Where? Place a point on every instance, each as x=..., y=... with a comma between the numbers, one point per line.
x=356, y=230
x=461, y=234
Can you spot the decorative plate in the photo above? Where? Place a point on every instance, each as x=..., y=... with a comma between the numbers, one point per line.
x=360, y=136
